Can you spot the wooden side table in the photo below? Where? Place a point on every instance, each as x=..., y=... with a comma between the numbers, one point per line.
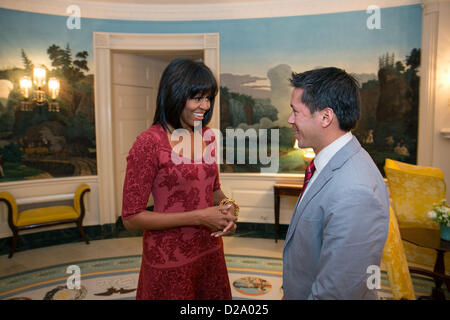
x=431, y=239
x=283, y=189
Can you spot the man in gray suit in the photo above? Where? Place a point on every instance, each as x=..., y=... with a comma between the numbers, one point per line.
x=340, y=222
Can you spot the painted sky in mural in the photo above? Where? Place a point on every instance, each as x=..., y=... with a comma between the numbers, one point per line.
x=302, y=42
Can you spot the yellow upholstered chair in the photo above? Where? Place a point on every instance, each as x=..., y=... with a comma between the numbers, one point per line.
x=44, y=217
x=413, y=190
x=394, y=260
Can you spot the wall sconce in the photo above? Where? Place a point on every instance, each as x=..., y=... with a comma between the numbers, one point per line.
x=308, y=153
x=40, y=96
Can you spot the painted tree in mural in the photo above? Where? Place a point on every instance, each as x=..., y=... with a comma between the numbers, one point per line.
x=27, y=63
x=390, y=110
x=52, y=143
x=71, y=71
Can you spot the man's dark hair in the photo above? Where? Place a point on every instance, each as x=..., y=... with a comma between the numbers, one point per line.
x=183, y=79
x=330, y=88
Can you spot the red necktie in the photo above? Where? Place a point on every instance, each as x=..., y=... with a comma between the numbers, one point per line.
x=308, y=174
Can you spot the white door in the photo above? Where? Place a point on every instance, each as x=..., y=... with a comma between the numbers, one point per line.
x=135, y=80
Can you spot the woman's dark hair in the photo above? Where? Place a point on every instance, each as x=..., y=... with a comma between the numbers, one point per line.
x=331, y=88
x=183, y=79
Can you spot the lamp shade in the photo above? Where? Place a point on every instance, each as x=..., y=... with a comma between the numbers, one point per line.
x=308, y=154
x=53, y=87
x=39, y=75
x=25, y=86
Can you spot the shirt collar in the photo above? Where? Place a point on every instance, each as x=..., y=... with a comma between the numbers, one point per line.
x=324, y=156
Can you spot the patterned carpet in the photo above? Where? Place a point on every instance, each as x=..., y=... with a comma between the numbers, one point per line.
x=116, y=278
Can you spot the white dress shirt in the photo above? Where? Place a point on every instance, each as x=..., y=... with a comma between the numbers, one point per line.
x=324, y=156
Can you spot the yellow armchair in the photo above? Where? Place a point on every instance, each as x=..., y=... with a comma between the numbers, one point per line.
x=413, y=190
x=394, y=259
x=44, y=217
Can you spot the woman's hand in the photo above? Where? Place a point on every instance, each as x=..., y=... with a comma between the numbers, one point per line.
x=231, y=227
x=217, y=217
x=228, y=230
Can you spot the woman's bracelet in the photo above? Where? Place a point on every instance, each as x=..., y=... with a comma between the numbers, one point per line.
x=225, y=201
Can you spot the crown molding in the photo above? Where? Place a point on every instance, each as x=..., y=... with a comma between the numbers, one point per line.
x=198, y=11
x=432, y=6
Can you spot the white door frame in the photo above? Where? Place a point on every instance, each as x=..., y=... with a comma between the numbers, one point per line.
x=104, y=44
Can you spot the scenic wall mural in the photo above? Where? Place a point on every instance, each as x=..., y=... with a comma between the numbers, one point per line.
x=388, y=126
x=43, y=143
x=257, y=58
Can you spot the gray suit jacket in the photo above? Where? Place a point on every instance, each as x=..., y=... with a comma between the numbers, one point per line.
x=338, y=230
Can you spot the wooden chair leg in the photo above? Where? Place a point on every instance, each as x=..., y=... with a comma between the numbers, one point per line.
x=13, y=244
x=83, y=235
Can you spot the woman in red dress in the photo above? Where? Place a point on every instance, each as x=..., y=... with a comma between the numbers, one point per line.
x=183, y=254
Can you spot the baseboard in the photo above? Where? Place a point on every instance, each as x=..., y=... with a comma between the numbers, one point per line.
x=117, y=230
x=260, y=230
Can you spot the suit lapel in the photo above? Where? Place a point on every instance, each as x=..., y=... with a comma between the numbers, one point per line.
x=318, y=184
x=325, y=175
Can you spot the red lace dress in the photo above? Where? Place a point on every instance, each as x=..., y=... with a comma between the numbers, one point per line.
x=178, y=263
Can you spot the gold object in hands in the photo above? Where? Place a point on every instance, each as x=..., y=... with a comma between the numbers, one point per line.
x=225, y=201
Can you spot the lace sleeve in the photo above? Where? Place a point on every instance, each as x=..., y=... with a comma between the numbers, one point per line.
x=142, y=166
x=216, y=180
x=208, y=134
